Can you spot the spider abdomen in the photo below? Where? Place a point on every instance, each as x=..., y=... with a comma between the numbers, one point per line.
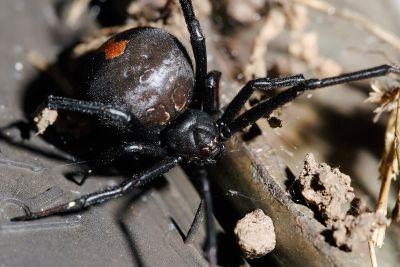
x=145, y=71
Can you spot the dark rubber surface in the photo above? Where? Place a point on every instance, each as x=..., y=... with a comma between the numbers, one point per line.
x=138, y=230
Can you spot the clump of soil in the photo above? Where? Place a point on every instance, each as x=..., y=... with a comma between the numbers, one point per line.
x=326, y=189
x=330, y=193
x=255, y=234
x=353, y=230
x=44, y=119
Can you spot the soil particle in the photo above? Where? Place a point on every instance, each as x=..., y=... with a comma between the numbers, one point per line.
x=326, y=189
x=329, y=191
x=255, y=234
x=351, y=231
x=44, y=119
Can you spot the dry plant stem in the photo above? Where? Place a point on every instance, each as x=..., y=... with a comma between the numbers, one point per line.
x=355, y=18
x=396, y=210
x=379, y=235
x=397, y=131
x=386, y=172
x=372, y=254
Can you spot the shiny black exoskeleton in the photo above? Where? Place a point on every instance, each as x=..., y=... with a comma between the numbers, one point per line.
x=142, y=81
x=144, y=71
x=195, y=137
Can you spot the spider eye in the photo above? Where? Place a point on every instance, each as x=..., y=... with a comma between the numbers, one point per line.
x=205, y=151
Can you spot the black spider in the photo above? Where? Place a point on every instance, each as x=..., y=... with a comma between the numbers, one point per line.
x=142, y=82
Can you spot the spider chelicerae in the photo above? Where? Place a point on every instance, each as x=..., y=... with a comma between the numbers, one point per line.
x=142, y=83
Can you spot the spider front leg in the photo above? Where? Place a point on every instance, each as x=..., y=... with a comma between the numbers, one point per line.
x=103, y=111
x=110, y=155
x=244, y=94
x=106, y=194
x=268, y=106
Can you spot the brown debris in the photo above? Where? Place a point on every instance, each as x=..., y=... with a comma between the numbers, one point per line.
x=385, y=93
x=44, y=119
x=255, y=234
x=246, y=11
x=330, y=192
x=326, y=188
x=148, y=9
x=353, y=230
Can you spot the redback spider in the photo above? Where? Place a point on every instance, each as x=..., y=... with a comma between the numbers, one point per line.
x=142, y=83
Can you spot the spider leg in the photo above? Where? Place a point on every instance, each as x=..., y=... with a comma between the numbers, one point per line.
x=244, y=94
x=211, y=233
x=102, y=110
x=110, y=155
x=106, y=194
x=204, y=211
x=211, y=93
x=267, y=107
x=197, y=222
x=198, y=42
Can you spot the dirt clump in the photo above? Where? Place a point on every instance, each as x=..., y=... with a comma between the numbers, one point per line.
x=255, y=234
x=326, y=189
x=353, y=230
x=329, y=192
x=44, y=119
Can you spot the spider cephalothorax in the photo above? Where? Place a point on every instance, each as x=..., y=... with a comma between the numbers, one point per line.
x=195, y=136
x=142, y=79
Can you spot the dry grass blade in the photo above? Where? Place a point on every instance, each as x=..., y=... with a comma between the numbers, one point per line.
x=387, y=95
x=371, y=246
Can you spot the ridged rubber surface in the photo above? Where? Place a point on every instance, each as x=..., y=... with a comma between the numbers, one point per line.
x=136, y=230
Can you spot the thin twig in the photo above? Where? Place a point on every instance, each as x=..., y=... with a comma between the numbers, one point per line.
x=372, y=254
x=387, y=176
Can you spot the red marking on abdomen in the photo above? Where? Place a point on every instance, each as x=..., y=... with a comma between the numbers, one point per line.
x=113, y=49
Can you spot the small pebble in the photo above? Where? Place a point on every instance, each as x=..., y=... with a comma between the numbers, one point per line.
x=255, y=234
